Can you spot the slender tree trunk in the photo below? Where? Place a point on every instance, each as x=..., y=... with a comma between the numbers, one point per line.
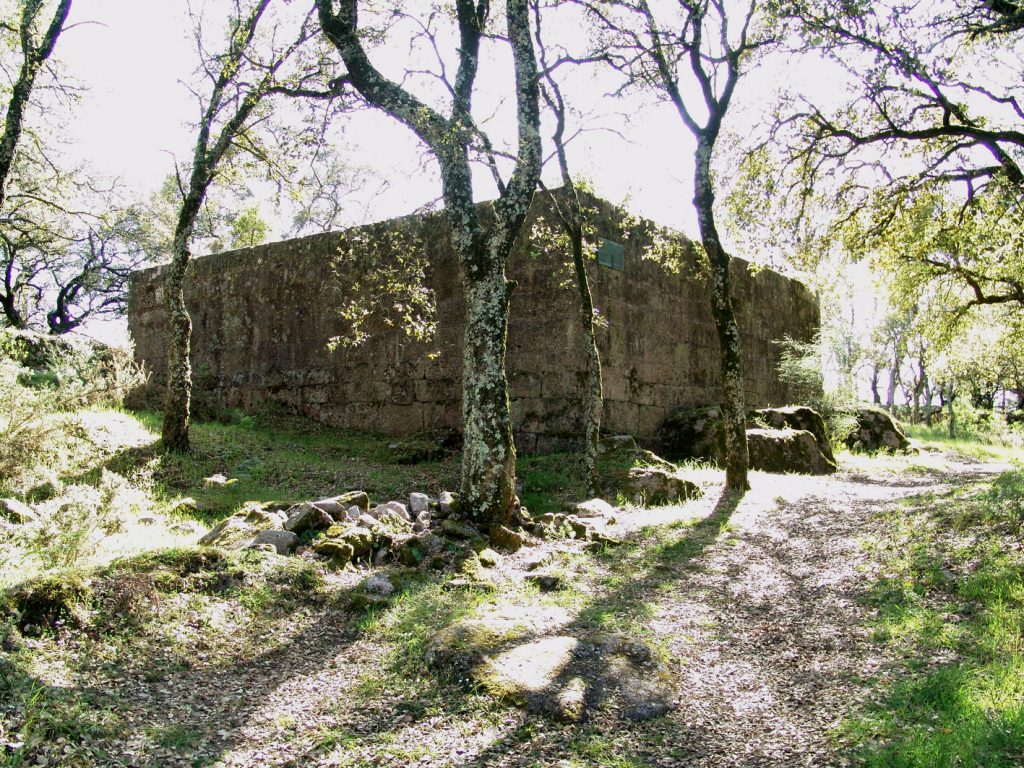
x=177, y=403
x=876, y=398
x=178, y=400
x=890, y=394
x=33, y=57
x=594, y=398
x=952, y=415
x=733, y=395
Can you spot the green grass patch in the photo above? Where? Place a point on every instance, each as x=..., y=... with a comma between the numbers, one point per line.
x=950, y=603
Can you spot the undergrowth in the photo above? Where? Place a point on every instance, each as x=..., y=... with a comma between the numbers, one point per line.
x=950, y=605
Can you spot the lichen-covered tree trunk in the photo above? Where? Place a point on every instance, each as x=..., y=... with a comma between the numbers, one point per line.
x=33, y=57
x=734, y=410
x=488, y=455
x=594, y=396
x=177, y=402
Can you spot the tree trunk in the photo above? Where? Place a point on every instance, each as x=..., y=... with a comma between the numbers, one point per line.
x=734, y=409
x=488, y=454
x=952, y=416
x=594, y=396
x=890, y=394
x=177, y=402
x=32, y=61
x=876, y=398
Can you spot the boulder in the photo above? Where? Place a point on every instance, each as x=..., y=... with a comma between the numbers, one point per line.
x=693, y=433
x=239, y=530
x=16, y=511
x=876, y=431
x=283, y=542
x=799, y=417
x=307, y=517
x=338, y=551
x=656, y=485
x=418, y=503
x=787, y=450
x=488, y=557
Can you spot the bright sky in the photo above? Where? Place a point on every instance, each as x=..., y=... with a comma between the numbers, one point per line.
x=133, y=56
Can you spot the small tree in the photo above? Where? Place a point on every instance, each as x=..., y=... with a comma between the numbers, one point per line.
x=703, y=45
x=240, y=81
x=488, y=457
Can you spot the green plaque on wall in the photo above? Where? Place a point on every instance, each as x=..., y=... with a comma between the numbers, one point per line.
x=612, y=255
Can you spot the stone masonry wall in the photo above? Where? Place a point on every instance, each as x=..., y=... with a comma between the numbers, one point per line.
x=263, y=317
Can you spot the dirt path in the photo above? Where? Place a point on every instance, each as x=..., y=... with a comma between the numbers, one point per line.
x=761, y=616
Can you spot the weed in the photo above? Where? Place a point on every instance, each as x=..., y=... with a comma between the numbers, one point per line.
x=952, y=599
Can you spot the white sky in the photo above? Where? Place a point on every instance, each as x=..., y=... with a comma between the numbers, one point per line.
x=133, y=56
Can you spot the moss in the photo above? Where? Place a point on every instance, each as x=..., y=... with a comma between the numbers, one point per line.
x=51, y=602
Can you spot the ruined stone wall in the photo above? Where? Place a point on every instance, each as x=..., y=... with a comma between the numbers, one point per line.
x=263, y=318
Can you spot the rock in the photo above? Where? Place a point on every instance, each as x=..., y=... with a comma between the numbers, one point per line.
x=463, y=583
x=562, y=675
x=217, y=480
x=307, y=517
x=654, y=485
x=418, y=503
x=506, y=538
x=537, y=560
x=367, y=521
x=239, y=530
x=876, y=431
x=546, y=582
x=458, y=529
x=598, y=508
x=362, y=601
x=392, y=523
x=413, y=550
x=787, y=450
x=448, y=504
x=353, y=513
x=355, y=537
x=340, y=507
x=489, y=558
x=338, y=551
x=17, y=511
x=283, y=542
x=55, y=602
x=693, y=433
x=377, y=584
x=799, y=417
x=187, y=505
x=399, y=509
x=614, y=443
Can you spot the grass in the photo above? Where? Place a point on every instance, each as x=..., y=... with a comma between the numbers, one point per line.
x=950, y=606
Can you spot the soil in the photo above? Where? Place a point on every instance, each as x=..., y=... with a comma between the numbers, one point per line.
x=761, y=618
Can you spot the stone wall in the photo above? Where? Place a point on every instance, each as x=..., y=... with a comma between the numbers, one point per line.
x=263, y=318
